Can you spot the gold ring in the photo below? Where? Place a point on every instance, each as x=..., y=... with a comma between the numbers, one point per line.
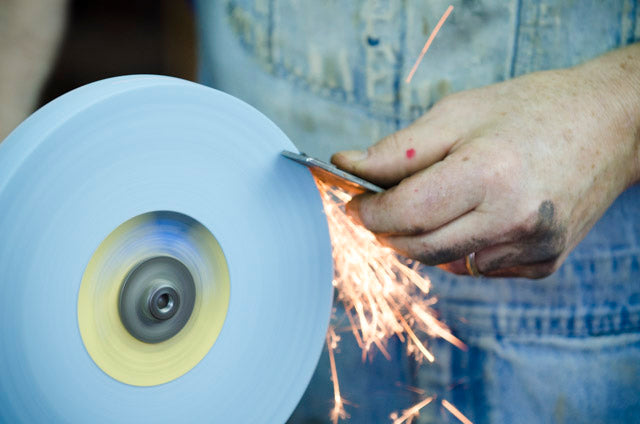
x=472, y=266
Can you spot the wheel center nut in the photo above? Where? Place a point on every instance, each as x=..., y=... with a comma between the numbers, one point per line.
x=163, y=302
x=156, y=299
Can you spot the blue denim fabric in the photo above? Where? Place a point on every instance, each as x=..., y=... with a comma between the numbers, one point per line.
x=331, y=75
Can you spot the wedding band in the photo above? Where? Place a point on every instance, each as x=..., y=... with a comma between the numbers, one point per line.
x=472, y=266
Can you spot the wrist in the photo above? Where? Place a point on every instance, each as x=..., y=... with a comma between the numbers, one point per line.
x=614, y=80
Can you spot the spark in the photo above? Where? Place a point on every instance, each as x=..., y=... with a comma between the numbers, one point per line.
x=383, y=294
x=413, y=389
x=456, y=413
x=428, y=43
x=438, y=328
x=338, y=412
x=419, y=345
x=409, y=414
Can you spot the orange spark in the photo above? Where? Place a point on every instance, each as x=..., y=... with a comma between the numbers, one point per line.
x=417, y=342
x=383, y=294
x=428, y=43
x=413, y=389
x=409, y=414
x=338, y=412
x=456, y=413
x=438, y=328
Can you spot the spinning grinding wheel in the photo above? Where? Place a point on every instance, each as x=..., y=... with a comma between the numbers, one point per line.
x=159, y=260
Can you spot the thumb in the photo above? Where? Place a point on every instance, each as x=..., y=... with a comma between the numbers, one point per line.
x=396, y=156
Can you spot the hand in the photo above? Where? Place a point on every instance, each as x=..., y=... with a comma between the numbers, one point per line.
x=517, y=172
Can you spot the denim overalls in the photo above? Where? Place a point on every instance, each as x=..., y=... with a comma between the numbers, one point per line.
x=331, y=74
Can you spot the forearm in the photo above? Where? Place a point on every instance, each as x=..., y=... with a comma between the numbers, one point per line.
x=30, y=31
x=615, y=81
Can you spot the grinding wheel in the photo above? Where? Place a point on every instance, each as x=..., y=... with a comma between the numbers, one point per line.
x=159, y=260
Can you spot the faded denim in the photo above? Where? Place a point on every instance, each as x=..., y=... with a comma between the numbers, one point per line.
x=331, y=75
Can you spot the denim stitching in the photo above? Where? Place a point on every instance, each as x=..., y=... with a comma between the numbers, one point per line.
x=516, y=41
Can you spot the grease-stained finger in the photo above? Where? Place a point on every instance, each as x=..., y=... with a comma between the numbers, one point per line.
x=507, y=260
x=423, y=202
x=469, y=233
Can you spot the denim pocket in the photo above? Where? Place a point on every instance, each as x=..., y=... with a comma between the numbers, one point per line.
x=530, y=379
x=473, y=48
x=565, y=380
x=343, y=49
x=360, y=51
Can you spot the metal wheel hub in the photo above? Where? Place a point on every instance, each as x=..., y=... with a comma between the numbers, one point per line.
x=157, y=299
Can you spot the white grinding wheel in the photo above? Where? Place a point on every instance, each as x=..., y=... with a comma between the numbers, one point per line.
x=177, y=192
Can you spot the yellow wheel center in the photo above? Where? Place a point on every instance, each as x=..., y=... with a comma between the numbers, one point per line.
x=108, y=341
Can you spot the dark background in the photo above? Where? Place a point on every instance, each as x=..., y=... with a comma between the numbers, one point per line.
x=106, y=38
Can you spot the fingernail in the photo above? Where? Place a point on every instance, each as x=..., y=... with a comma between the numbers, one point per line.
x=355, y=155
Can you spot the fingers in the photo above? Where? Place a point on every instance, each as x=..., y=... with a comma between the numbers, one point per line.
x=496, y=254
x=532, y=271
x=469, y=233
x=508, y=260
x=423, y=202
x=508, y=256
x=398, y=155
x=449, y=245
